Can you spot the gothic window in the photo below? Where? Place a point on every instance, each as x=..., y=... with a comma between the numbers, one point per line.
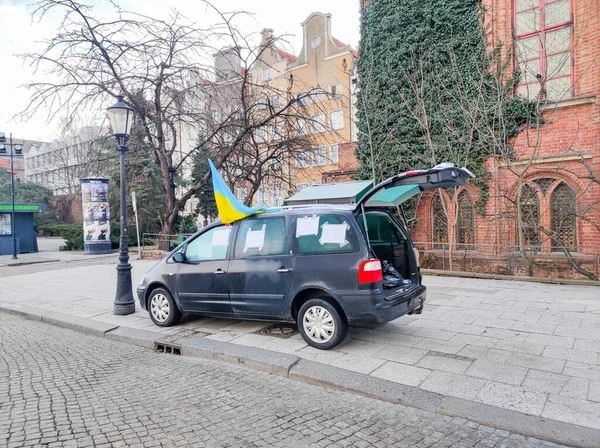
x=530, y=216
x=563, y=217
x=440, y=223
x=544, y=184
x=466, y=221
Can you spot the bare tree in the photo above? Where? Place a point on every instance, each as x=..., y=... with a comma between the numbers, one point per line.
x=164, y=70
x=80, y=153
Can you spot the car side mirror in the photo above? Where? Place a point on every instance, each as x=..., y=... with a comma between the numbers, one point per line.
x=178, y=257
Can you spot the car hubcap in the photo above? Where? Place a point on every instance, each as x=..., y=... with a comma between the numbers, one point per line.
x=318, y=324
x=160, y=308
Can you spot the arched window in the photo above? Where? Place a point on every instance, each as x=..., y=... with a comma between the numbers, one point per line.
x=440, y=223
x=563, y=214
x=530, y=216
x=466, y=221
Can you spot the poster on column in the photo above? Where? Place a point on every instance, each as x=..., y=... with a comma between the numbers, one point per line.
x=96, y=212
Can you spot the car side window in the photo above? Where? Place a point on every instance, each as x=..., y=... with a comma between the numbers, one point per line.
x=261, y=237
x=323, y=233
x=382, y=229
x=211, y=245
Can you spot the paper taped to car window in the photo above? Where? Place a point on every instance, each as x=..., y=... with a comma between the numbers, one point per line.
x=334, y=234
x=255, y=239
x=221, y=236
x=308, y=225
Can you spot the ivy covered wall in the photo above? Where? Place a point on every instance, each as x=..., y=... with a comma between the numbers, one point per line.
x=431, y=88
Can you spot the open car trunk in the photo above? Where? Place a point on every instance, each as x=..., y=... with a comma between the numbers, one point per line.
x=387, y=238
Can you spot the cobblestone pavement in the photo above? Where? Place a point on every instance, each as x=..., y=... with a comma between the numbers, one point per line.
x=61, y=388
x=527, y=347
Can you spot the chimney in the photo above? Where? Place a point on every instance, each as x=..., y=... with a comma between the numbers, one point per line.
x=266, y=36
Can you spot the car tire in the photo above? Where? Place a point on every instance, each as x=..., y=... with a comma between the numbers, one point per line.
x=321, y=324
x=162, y=308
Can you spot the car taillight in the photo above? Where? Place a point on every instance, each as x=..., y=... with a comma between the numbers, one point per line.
x=370, y=272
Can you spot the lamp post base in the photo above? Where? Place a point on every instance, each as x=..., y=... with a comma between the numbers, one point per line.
x=124, y=310
x=124, y=303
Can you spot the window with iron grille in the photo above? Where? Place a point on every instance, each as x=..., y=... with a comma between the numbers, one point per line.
x=440, y=223
x=466, y=221
x=530, y=216
x=563, y=214
x=543, y=38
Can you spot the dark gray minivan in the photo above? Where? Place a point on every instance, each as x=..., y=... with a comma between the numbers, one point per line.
x=317, y=265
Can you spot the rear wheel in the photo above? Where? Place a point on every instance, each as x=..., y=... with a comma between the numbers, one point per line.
x=321, y=324
x=162, y=308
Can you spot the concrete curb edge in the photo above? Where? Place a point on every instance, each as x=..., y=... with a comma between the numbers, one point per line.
x=311, y=372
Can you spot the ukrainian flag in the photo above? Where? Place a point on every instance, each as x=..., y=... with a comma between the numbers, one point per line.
x=229, y=207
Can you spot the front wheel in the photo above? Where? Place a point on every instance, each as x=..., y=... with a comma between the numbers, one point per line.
x=162, y=308
x=321, y=325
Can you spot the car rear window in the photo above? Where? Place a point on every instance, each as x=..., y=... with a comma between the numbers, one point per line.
x=323, y=234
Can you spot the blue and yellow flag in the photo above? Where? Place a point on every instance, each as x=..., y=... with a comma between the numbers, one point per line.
x=229, y=207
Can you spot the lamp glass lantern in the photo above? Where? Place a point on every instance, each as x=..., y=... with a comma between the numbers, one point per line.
x=120, y=116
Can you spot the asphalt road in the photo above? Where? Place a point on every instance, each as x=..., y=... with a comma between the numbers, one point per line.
x=62, y=388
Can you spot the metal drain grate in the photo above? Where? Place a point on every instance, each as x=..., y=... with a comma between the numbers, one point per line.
x=167, y=347
x=283, y=331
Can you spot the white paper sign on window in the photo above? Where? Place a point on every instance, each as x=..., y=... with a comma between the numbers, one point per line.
x=334, y=234
x=221, y=236
x=255, y=239
x=309, y=225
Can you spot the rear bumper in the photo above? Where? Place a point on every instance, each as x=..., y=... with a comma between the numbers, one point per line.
x=375, y=307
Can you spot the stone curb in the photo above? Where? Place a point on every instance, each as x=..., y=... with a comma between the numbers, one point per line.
x=323, y=375
x=346, y=380
x=525, y=424
x=143, y=338
x=22, y=310
x=253, y=357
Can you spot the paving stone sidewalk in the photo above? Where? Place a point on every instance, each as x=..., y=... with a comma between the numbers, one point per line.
x=528, y=347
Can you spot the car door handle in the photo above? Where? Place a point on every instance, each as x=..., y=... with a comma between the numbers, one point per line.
x=219, y=271
x=283, y=270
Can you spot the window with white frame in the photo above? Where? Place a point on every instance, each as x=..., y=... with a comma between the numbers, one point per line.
x=261, y=197
x=543, y=38
x=333, y=154
x=275, y=131
x=318, y=123
x=241, y=193
x=301, y=127
x=301, y=98
x=274, y=100
x=335, y=90
x=276, y=164
x=276, y=196
x=261, y=135
x=267, y=74
x=319, y=156
x=302, y=159
x=336, y=119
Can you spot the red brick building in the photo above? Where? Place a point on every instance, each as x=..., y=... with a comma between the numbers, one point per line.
x=555, y=175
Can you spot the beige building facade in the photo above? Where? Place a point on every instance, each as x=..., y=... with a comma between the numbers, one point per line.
x=321, y=79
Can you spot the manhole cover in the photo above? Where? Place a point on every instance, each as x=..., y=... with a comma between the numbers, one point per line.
x=283, y=331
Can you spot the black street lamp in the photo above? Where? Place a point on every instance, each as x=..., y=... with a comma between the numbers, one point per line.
x=15, y=150
x=120, y=116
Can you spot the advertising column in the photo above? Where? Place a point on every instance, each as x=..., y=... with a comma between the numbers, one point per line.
x=96, y=215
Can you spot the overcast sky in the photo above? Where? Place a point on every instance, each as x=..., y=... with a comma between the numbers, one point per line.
x=19, y=34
